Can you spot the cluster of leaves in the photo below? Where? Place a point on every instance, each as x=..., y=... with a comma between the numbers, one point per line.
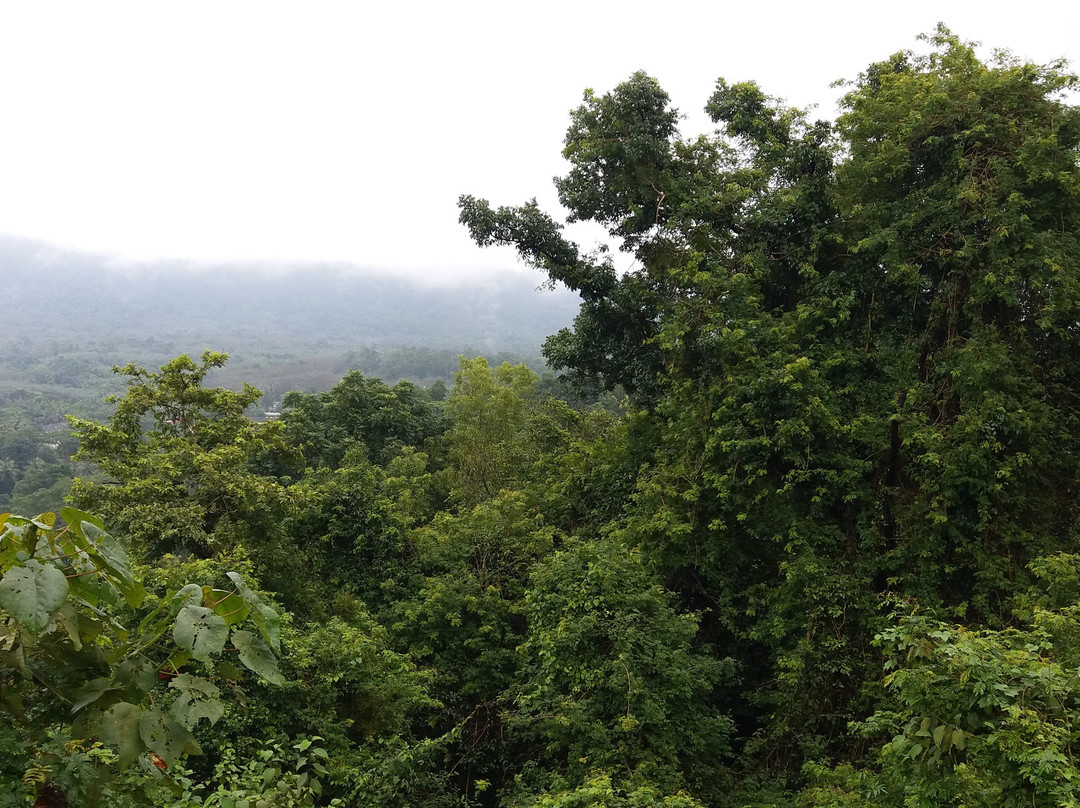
x=76, y=653
x=183, y=485
x=274, y=777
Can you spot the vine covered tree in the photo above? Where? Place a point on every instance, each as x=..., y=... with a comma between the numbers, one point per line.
x=856, y=345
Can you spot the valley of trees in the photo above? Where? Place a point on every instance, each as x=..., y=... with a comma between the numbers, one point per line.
x=797, y=526
x=268, y=320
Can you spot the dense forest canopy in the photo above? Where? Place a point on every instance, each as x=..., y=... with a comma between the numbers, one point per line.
x=824, y=554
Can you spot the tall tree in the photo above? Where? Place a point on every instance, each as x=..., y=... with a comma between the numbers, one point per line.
x=176, y=456
x=856, y=345
x=360, y=411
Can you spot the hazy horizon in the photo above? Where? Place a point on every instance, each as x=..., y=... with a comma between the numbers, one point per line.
x=43, y=253
x=265, y=132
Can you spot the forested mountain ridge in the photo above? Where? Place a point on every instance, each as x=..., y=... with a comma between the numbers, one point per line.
x=341, y=305
x=825, y=555
x=285, y=329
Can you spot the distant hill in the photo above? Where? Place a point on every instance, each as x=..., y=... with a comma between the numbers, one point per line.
x=91, y=296
x=69, y=317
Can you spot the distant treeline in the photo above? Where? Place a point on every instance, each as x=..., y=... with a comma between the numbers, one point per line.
x=294, y=330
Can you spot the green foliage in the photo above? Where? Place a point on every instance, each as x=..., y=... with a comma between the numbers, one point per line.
x=855, y=348
x=465, y=622
x=850, y=356
x=982, y=718
x=346, y=670
x=489, y=409
x=276, y=776
x=973, y=717
x=989, y=703
x=610, y=677
x=465, y=612
x=177, y=456
x=620, y=149
x=360, y=412
x=508, y=433
x=599, y=791
x=354, y=522
x=967, y=209
x=76, y=664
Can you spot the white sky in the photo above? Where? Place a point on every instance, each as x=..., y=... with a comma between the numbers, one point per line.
x=345, y=131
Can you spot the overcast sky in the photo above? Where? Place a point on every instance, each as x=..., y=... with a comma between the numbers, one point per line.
x=345, y=131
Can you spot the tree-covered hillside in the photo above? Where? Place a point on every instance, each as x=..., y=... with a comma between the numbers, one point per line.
x=284, y=305
x=824, y=555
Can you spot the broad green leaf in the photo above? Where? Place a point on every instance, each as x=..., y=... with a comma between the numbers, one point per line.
x=227, y=670
x=155, y=623
x=200, y=631
x=266, y=619
x=198, y=699
x=120, y=728
x=269, y=624
x=24, y=531
x=111, y=556
x=959, y=739
x=138, y=675
x=90, y=626
x=93, y=590
x=257, y=656
x=91, y=532
x=69, y=621
x=45, y=520
x=9, y=633
x=16, y=658
x=33, y=593
x=165, y=737
x=9, y=551
x=189, y=595
x=75, y=518
x=230, y=606
x=176, y=661
x=91, y=692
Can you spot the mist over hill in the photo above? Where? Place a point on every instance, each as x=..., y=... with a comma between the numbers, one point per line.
x=93, y=296
x=70, y=317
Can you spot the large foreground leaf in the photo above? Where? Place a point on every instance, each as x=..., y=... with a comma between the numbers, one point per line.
x=120, y=728
x=257, y=656
x=33, y=593
x=266, y=619
x=166, y=738
x=198, y=699
x=200, y=631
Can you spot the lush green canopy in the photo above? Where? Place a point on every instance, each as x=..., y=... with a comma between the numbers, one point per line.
x=824, y=553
